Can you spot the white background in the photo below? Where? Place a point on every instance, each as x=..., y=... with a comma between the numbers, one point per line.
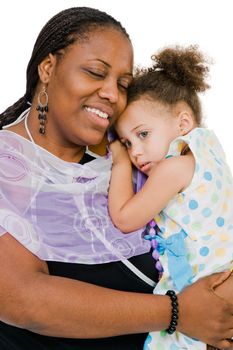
x=152, y=24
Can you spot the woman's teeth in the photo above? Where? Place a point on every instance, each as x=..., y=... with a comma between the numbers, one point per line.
x=98, y=112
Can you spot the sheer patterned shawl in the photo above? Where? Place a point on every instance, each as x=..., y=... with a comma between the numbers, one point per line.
x=58, y=210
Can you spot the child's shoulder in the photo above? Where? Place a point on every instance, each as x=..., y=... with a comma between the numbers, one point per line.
x=182, y=160
x=178, y=168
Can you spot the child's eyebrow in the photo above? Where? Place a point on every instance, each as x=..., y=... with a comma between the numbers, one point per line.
x=138, y=126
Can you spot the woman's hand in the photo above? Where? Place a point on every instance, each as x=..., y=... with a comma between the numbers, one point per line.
x=206, y=316
x=119, y=153
x=224, y=289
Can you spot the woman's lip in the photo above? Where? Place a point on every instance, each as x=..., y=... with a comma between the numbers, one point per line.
x=97, y=120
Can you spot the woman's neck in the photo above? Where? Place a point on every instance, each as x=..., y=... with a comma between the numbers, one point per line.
x=68, y=153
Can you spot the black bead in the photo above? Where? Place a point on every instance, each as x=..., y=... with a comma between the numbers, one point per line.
x=171, y=330
x=42, y=115
x=175, y=316
x=171, y=292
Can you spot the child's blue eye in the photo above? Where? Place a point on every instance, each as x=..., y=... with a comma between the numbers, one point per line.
x=143, y=134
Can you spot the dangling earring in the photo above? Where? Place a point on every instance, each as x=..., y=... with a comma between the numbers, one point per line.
x=42, y=108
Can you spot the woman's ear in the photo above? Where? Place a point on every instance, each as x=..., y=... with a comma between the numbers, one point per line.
x=45, y=68
x=186, y=122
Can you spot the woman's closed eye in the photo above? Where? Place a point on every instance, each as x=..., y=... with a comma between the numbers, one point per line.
x=124, y=84
x=97, y=74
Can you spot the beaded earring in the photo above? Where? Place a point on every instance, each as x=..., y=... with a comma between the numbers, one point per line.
x=42, y=108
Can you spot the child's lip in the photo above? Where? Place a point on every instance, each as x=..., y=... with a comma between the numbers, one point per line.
x=145, y=166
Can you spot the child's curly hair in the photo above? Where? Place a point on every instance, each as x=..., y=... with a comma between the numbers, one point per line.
x=177, y=74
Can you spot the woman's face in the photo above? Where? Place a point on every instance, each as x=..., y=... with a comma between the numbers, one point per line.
x=87, y=88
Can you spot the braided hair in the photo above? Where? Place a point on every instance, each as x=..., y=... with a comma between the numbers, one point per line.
x=177, y=74
x=59, y=32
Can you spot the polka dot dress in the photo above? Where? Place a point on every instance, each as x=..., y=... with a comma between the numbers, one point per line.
x=196, y=237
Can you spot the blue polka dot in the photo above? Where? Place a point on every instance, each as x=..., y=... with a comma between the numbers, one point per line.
x=206, y=212
x=219, y=184
x=220, y=221
x=204, y=251
x=186, y=220
x=207, y=175
x=193, y=204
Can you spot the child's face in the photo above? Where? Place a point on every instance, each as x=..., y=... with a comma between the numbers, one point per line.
x=147, y=128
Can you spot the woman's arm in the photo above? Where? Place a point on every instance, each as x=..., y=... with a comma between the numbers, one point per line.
x=130, y=212
x=31, y=298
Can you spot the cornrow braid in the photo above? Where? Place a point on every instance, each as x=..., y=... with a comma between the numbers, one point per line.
x=59, y=32
x=9, y=115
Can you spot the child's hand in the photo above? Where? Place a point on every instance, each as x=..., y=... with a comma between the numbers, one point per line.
x=119, y=152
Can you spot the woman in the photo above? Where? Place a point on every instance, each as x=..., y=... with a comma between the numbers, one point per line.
x=52, y=279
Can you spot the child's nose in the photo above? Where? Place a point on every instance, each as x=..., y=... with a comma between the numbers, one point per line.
x=136, y=150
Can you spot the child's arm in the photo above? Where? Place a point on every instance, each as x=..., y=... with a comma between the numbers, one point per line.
x=130, y=212
x=121, y=185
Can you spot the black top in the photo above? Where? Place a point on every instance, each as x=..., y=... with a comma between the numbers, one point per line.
x=113, y=275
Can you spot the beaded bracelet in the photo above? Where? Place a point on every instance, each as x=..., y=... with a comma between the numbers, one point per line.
x=175, y=314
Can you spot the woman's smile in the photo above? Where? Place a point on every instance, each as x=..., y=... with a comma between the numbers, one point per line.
x=98, y=117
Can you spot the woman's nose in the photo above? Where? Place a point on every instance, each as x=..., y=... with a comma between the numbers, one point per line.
x=109, y=90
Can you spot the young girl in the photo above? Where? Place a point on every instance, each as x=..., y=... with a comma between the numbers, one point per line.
x=189, y=189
